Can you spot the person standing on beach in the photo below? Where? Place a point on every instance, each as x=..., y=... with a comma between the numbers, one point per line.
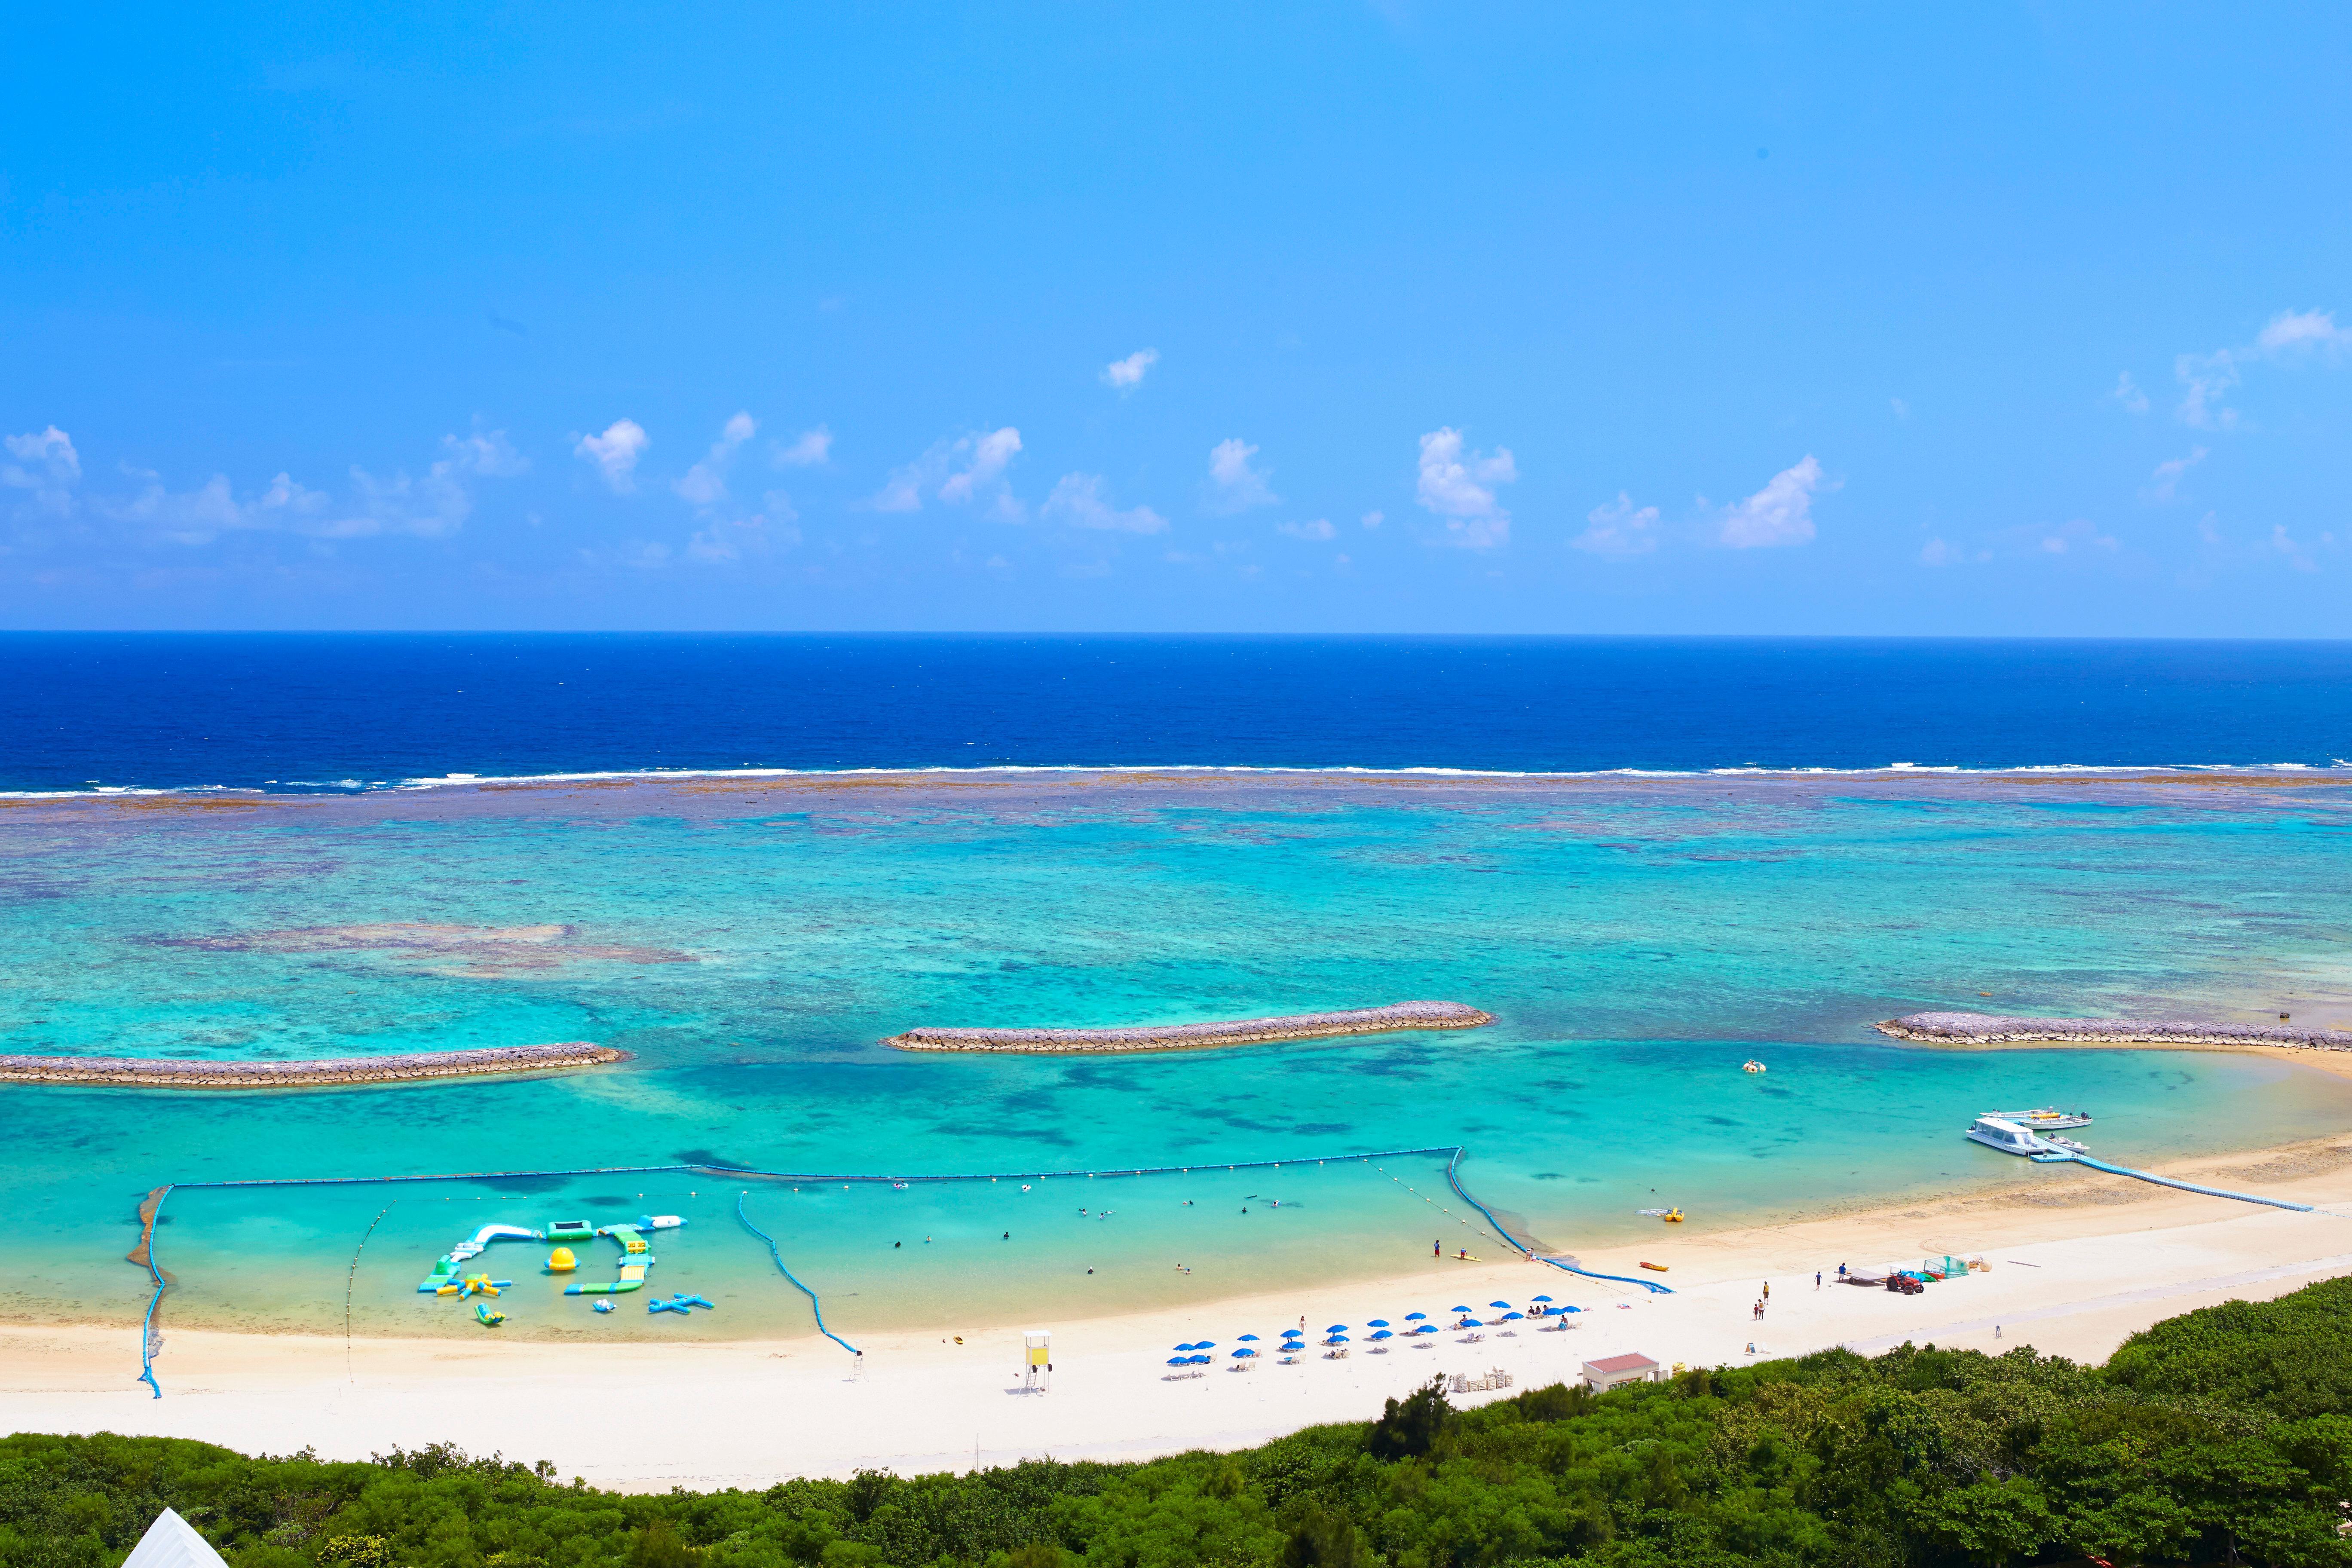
x=1436, y=1248
x=1768, y=1289
x=1817, y=1279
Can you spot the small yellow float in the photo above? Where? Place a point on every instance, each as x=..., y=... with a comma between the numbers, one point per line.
x=561, y=1261
x=1672, y=1216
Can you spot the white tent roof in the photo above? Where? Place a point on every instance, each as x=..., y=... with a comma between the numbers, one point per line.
x=173, y=1542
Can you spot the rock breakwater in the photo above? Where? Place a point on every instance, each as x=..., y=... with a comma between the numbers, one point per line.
x=1997, y=1029
x=162, y=1072
x=1182, y=1036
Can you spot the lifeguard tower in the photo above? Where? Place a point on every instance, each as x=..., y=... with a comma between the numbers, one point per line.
x=1036, y=1362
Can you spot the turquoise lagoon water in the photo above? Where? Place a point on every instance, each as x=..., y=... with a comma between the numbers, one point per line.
x=749, y=945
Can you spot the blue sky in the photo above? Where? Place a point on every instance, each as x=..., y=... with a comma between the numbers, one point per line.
x=2010, y=319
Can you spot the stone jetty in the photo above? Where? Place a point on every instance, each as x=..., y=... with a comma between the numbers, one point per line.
x=164, y=1072
x=1996, y=1029
x=1182, y=1036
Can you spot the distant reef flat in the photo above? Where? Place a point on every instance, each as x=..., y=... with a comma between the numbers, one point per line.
x=1181, y=1036
x=161, y=1072
x=1996, y=1029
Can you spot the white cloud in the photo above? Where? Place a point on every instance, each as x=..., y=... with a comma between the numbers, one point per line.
x=2297, y=556
x=2128, y=394
x=988, y=454
x=2166, y=481
x=705, y=484
x=2292, y=330
x=1779, y=513
x=1459, y=488
x=1127, y=374
x=983, y=458
x=181, y=517
x=1618, y=530
x=1938, y=552
x=616, y=453
x=1233, y=485
x=1319, y=529
x=429, y=508
x=45, y=463
x=2205, y=380
x=432, y=504
x=1373, y=519
x=2078, y=534
x=728, y=541
x=810, y=448
x=295, y=500
x=488, y=453
x=903, y=490
x=1079, y=500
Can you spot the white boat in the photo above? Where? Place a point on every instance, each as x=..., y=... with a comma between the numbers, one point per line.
x=2045, y=1120
x=2000, y=1132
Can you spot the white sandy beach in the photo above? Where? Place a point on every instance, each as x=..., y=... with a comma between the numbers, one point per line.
x=2079, y=1262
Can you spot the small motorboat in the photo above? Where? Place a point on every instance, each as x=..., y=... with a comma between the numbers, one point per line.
x=2045, y=1120
x=2010, y=1137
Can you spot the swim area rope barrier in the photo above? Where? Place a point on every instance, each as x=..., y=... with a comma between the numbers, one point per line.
x=1504, y=1231
x=152, y=1206
x=777, y=1253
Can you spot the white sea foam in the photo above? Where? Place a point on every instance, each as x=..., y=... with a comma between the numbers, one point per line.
x=619, y=775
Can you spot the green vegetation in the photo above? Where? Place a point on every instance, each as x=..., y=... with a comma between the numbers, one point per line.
x=2221, y=1436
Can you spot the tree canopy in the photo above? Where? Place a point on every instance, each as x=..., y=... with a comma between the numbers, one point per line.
x=2223, y=1436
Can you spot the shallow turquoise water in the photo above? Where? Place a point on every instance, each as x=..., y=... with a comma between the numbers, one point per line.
x=1636, y=944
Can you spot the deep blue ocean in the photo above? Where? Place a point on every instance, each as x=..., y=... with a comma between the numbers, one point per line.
x=308, y=712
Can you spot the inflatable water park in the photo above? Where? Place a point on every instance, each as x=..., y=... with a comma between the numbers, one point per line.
x=450, y=1276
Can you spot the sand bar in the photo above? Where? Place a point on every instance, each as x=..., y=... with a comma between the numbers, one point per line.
x=1181, y=1036
x=162, y=1072
x=1997, y=1029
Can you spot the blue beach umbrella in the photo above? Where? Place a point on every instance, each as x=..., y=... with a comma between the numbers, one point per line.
x=1339, y=1338
x=1206, y=1346
x=1384, y=1334
x=1376, y=1322
x=1414, y=1317
x=1457, y=1309
x=1498, y=1303
x=1249, y=1339
x=1196, y=1360
x=1243, y=1352
x=1188, y=1347
x=1513, y=1317
x=1544, y=1298
x=1176, y=1361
